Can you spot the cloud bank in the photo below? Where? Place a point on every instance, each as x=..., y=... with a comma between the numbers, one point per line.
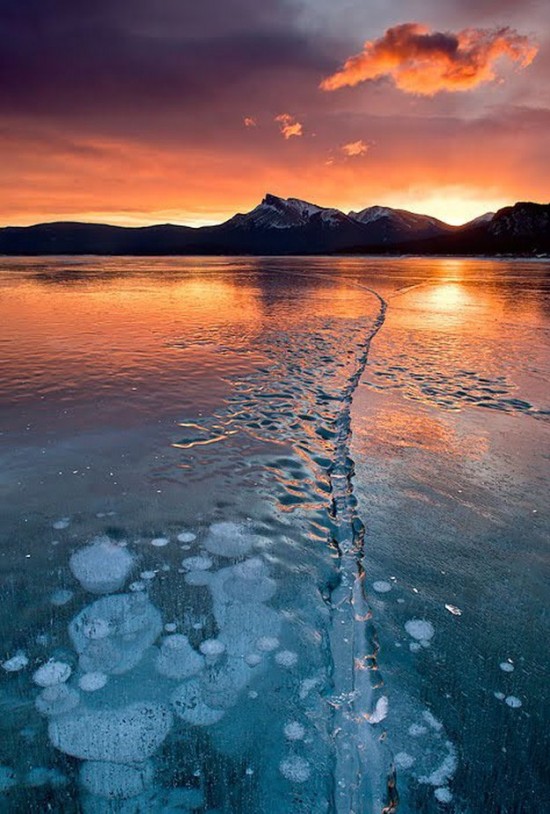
x=425, y=62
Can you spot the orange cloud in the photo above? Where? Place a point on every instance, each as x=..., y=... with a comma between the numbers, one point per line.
x=249, y=121
x=289, y=126
x=355, y=148
x=425, y=62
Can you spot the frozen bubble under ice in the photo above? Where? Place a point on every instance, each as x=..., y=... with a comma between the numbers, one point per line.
x=102, y=567
x=296, y=769
x=53, y=672
x=197, y=563
x=160, y=542
x=177, y=659
x=62, y=523
x=57, y=700
x=513, y=701
x=186, y=537
x=420, y=629
x=115, y=781
x=126, y=735
x=381, y=586
x=16, y=663
x=403, y=760
x=91, y=682
x=133, y=623
x=188, y=703
x=61, y=597
x=443, y=795
x=506, y=666
x=286, y=658
x=228, y=539
x=267, y=643
x=499, y=696
x=294, y=731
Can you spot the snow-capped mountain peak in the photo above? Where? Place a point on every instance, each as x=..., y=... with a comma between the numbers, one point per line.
x=285, y=213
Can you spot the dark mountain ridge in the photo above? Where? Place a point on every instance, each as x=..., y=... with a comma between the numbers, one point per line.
x=279, y=226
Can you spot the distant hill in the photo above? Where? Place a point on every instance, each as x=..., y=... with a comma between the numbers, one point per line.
x=279, y=226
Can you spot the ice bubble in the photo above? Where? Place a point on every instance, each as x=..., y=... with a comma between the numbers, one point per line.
x=171, y=627
x=137, y=586
x=420, y=629
x=41, y=776
x=401, y=600
x=253, y=694
x=381, y=587
x=91, y=682
x=513, y=701
x=102, y=567
x=114, y=781
x=57, y=700
x=444, y=772
x=506, y=666
x=53, y=672
x=160, y=542
x=148, y=575
x=380, y=711
x=63, y=523
x=403, y=760
x=177, y=659
x=228, y=539
x=61, y=597
x=221, y=686
x=416, y=730
x=267, y=643
x=186, y=537
x=294, y=731
x=197, y=563
x=212, y=650
x=253, y=659
x=8, y=778
x=17, y=662
x=286, y=658
x=127, y=735
x=415, y=647
x=443, y=795
x=96, y=629
x=432, y=721
x=295, y=769
x=249, y=582
x=188, y=703
x=198, y=578
x=134, y=624
x=307, y=685
x=499, y=696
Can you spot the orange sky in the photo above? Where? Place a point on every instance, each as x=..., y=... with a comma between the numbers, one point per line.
x=147, y=112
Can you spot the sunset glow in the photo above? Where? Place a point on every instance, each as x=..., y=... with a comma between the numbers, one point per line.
x=443, y=112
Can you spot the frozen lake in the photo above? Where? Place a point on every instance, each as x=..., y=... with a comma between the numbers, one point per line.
x=273, y=535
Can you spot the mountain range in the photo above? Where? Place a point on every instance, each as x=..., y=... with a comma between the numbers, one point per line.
x=279, y=226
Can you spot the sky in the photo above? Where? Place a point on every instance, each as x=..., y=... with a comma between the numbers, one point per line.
x=151, y=111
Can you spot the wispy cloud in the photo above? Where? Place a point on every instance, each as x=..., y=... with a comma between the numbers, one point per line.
x=355, y=149
x=424, y=62
x=250, y=121
x=289, y=126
